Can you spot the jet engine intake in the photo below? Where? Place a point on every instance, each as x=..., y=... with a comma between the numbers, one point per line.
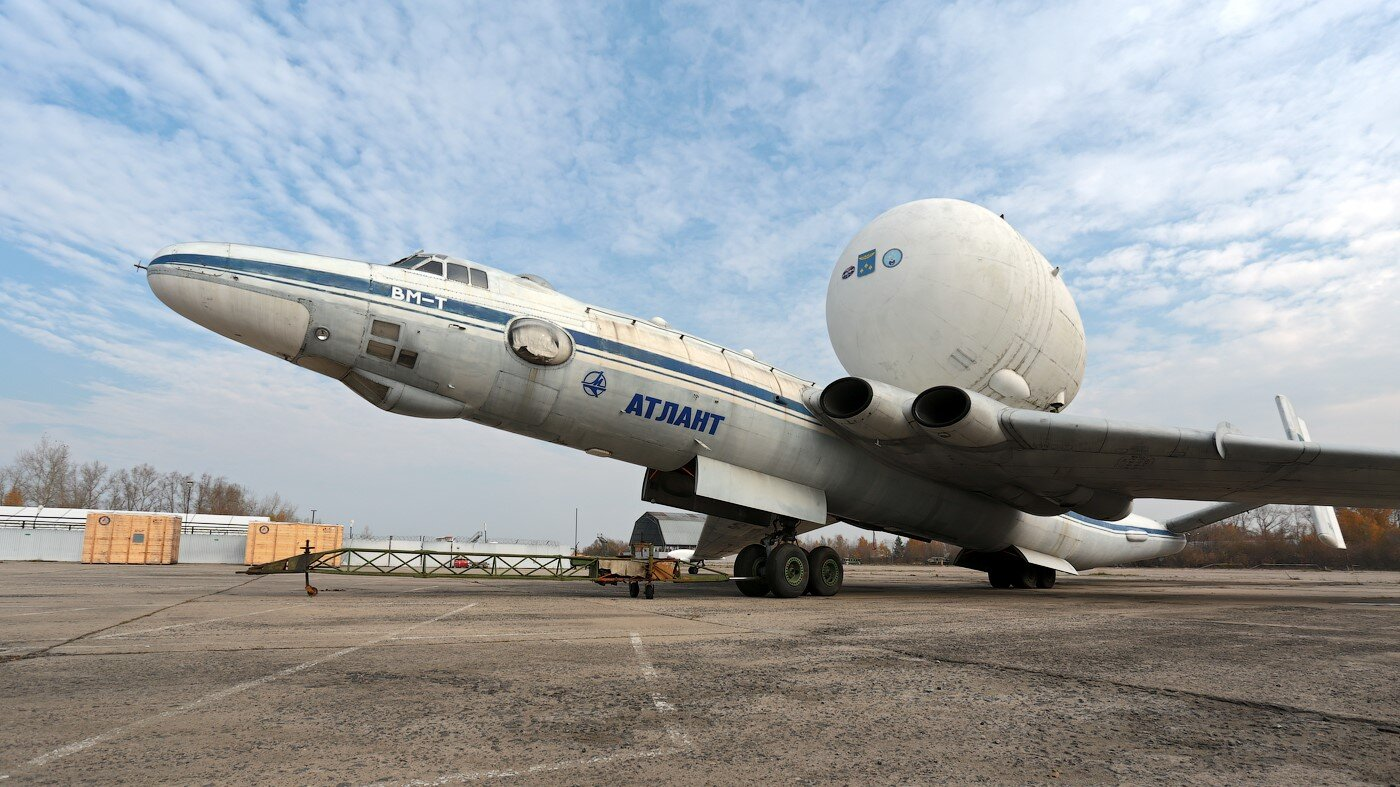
x=867, y=408
x=960, y=417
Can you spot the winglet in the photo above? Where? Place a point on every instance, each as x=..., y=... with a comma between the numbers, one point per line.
x=1324, y=517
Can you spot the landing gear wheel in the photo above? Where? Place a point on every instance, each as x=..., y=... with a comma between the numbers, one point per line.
x=750, y=563
x=787, y=571
x=999, y=577
x=694, y=569
x=826, y=572
x=1044, y=577
x=651, y=590
x=633, y=589
x=1024, y=577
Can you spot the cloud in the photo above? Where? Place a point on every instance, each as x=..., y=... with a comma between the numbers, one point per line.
x=1218, y=183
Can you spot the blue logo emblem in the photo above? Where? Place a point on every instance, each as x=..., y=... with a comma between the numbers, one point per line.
x=892, y=258
x=865, y=263
x=594, y=383
x=848, y=272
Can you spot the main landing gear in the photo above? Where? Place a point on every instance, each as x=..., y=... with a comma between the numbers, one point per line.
x=787, y=570
x=1022, y=576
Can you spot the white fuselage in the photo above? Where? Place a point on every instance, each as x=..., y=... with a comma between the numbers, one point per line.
x=631, y=390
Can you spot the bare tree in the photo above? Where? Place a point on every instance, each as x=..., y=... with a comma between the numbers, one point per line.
x=606, y=547
x=221, y=496
x=89, y=485
x=46, y=475
x=9, y=485
x=274, y=508
x=42, y=473
x=136, y=489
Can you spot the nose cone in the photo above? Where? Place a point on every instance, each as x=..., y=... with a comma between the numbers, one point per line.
x=197, y=287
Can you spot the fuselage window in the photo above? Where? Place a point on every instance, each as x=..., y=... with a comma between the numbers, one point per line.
x=385, y=330
x=407, y=358
x=539, y=342
x=433, y=267
x=380, y=349
x=458, y=273
x=479, y=278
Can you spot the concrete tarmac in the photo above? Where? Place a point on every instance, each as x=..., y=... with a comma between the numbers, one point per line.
x=195, y=674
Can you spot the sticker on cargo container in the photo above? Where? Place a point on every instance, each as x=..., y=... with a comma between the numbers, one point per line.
x=264, y=529
x=104, y=520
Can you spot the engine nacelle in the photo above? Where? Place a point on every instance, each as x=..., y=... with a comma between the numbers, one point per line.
x=867, y=408
x=944, y=292
x=966, y=419
x=395, y=397
x=960, y=417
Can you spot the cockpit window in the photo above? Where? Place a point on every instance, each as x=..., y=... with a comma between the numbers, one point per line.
x=410, y=260
x=539, y=342
x=458, y=273
x=433, y=267
x=464, y=275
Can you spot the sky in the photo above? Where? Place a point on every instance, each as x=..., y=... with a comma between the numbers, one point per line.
x=1220, y=183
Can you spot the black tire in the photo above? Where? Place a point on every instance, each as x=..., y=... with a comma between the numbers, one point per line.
x=1044, y=577
x=651, y=591
x=787, y=571
x=1000, y=578
x=694, y=569
x=1024, y=577
x=827, y=573
x=633, y=589
x=750, y=563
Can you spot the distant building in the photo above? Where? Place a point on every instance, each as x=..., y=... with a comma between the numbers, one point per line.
x=666, y=530
x=46, y=518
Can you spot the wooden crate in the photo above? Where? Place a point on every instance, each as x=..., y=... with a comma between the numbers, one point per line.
x=269, y=541
x=131, y=538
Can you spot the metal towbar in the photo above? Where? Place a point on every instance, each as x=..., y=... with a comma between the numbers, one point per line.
x=427, y=564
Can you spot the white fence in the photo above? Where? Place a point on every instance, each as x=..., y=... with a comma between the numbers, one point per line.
x=203, y=548
x=76, y=518
x=17, y=544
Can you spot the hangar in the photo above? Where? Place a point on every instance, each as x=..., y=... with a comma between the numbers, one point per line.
x=667, y=530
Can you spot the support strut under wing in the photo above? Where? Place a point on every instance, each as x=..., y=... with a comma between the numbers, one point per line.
x=1207, y=516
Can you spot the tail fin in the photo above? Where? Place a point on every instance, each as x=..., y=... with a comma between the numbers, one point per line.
x=1324, y=517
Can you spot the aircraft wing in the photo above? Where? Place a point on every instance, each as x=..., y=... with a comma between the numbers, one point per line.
x=1047, y=463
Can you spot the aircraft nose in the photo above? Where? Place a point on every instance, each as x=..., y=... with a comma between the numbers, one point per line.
x=198, y=288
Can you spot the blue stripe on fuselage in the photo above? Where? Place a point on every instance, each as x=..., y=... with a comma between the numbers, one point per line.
x=485, y=314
